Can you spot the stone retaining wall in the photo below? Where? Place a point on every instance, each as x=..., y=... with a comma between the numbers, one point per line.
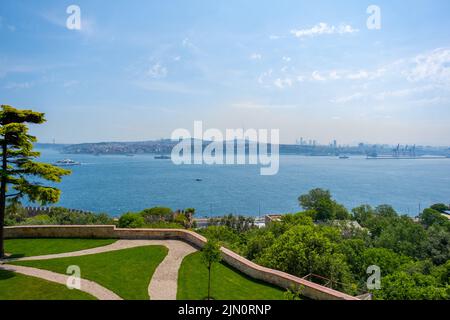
x=278, y=278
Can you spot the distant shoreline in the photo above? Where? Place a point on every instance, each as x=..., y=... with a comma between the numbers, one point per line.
x=164, y=147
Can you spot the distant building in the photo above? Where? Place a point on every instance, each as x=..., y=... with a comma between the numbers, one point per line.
x=272, y=218
x=446, y=214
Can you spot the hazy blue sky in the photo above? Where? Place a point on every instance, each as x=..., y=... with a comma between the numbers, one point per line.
x=137, y=70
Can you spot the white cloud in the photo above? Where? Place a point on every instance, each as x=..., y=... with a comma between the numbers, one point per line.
x=164, y=86
x=401, y=93
x=323, y=28
x=362, y=74
x=19, y=85
x=266, y=74
x=254, y=105
x=187, y=43
x=365, y=75
x=334, y=75
x=317, y=76
x=286, y=59
x=70, y=83
x=10, y=27
x=255, y=56
x=434, y=66
x=345, y=99
x=157, y=71
x=283, y=83
x=384, y=95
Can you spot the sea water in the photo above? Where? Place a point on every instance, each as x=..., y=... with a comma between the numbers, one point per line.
x=117, y=183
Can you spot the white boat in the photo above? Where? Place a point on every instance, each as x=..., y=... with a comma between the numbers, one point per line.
x=66, y=163
x=163, y=157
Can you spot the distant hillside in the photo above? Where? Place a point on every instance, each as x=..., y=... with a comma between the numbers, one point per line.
x=165, y=147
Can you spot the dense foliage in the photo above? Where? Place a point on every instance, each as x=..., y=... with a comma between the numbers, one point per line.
x=157, y=217
x=18, y=215
x=335, y=247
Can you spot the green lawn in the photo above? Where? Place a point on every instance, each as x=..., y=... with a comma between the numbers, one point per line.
x=126, y=272
x=226, y=283
x=36, y=247
x=15, y=286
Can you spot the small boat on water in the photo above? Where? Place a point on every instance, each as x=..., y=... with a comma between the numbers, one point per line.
x=344, y=157
x=67, y=163
x=163, y=157
x=198, y=180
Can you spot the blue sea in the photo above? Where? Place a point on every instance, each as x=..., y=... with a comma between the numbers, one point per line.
x=116, y=184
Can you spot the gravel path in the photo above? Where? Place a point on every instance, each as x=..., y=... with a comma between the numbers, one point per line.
x=90, y=287
x=163, y=285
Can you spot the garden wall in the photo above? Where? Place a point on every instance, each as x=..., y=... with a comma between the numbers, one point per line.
x=278, y=278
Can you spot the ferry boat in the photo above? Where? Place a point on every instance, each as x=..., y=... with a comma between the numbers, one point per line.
x=67, y=163
x=163, y=157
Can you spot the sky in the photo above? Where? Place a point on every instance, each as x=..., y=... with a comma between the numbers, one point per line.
x=138, y=70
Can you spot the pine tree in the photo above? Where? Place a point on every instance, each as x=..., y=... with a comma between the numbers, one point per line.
x=18, y=167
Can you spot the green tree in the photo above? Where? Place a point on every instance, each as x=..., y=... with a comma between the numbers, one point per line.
x=320, y=201
x=297, y=251
x=363, y=214
x=431, y=216
x=131, y=220
x=440, y=207
x=353, y=250
x=18, y=165
x=325, y=208
x=388, y=261
x=403, y=286
x=438, y=245
x=257, y=241
x=404, y=236
x=210, y=255
x=386, y=211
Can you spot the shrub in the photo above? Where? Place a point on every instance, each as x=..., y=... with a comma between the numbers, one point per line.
x=131, y=220
x=440, y=207
x=157, y=211
x=40, y=219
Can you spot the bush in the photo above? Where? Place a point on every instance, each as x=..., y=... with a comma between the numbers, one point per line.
x=131, y=220
x=431, y=216
x=225, y=235
x=40, y=219
x=157, y=211
x=440, y=207
x=16, y=214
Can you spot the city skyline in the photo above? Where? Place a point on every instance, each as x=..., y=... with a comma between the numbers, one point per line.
x=309, y=70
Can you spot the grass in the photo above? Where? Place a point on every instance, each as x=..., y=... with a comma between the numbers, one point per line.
x=36, y=247
x=126, y=272
x=226, y=283
x=15, y=286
